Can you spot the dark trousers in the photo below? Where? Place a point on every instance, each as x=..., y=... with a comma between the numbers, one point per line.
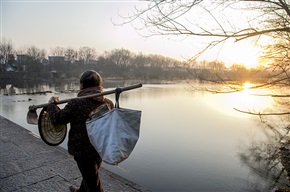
x=89, y=168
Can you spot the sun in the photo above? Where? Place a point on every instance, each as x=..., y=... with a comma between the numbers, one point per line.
x=247, y=85
x=243, y=53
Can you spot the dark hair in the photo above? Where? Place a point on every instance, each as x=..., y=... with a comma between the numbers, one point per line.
x=90, y=78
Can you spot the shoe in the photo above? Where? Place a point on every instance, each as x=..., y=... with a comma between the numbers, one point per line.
x=73, y=188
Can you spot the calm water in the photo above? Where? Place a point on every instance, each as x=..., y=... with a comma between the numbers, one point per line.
x=189, y=141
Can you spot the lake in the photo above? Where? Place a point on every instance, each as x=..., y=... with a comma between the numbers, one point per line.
x=189, y=140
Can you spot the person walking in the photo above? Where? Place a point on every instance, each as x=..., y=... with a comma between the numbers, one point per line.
x=76, y=112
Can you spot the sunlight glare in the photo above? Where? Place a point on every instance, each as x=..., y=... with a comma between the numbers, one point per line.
x=246, y=100
x=251, y=99
x=247, y=86
x=240, y=53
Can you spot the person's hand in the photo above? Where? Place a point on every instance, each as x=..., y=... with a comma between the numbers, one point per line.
x=53, y=99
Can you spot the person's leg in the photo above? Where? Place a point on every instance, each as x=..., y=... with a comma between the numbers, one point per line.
x=89, y=169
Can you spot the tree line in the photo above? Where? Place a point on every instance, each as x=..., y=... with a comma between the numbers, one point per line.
x=117, y=63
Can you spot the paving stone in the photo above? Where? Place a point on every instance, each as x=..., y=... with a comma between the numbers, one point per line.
x=26, y=178
x=50, y=185
x=37, y=160
x=10, y=152
x=67, y=169
x=8, y=169
x=27, y=164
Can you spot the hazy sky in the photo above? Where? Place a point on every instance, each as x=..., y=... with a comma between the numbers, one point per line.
x=50, y=23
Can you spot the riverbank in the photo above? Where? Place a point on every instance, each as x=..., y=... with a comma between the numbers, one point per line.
x=28, y=164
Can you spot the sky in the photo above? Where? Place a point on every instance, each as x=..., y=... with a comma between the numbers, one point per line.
x=47, y=24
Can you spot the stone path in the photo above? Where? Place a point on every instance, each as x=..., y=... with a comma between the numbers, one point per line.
x=28, y=164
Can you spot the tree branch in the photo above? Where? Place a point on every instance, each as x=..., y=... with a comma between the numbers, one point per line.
x=261, y=114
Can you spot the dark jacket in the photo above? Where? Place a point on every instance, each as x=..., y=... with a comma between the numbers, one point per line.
x=76, y=112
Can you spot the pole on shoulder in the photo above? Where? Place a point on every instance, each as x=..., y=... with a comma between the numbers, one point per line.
x=32, y=117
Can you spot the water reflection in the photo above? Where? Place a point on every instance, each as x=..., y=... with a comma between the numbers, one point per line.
x=263, y=159
x=34, y=87
x=189, y=141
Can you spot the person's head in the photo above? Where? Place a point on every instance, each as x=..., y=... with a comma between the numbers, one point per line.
x=90, y=78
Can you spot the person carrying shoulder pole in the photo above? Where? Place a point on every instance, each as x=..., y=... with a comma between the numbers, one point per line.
x=76, y=112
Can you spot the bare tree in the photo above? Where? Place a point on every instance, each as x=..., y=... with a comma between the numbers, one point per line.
x=277, y=58
x=140, y=60
x=121, y=57
x=87, y=54
x=71, y=55
x=6, y=49
x=36, y=54
x=57, y=51
x=216, y=20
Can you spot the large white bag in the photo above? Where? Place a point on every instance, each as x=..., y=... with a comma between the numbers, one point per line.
x=115, y=133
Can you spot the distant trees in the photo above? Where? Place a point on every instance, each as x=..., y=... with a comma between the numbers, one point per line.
x=84, y=54
x=117, y=63
x=121, y=57
x=87, y=54
x=34, y=56
x=57, y=51
x=71, y=55
x=6, y=51
x=71, y=62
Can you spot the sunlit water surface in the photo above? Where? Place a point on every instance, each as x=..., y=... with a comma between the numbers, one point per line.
x=189, y=141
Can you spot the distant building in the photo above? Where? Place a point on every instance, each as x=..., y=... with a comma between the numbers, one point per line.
x=55, y=59
x=45, y=62
x=79, y=62
x=93, y=62
x=22, y=58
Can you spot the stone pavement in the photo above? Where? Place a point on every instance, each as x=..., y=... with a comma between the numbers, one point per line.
x=28, y=164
